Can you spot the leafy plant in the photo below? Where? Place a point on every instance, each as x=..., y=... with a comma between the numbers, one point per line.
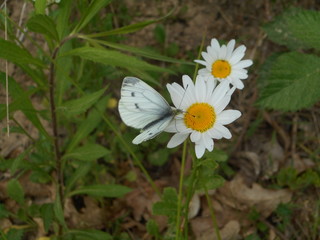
x=290, y=81
x=72, y=70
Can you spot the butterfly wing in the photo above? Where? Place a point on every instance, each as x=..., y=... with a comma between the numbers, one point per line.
x=144, y=108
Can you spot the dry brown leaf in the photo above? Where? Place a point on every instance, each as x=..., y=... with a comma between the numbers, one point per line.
x=237, y=194
x=203, y=229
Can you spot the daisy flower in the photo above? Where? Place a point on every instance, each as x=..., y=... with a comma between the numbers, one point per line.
x=224, y=63
x=203, y=116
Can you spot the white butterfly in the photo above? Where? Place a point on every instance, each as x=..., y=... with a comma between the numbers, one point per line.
x=144, y=108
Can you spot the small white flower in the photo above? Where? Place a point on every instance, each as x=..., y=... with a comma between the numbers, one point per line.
x=224, y=63
x=203, y=116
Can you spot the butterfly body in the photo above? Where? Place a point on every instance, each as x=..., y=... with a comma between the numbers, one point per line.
x=144, y=108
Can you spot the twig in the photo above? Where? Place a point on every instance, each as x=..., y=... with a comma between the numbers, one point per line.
x=278, y=129
x=6, y=62
x=277, y=232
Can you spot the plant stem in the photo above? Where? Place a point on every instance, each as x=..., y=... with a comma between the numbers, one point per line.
x=60, y=180
x=213, y=216
x=183, y=163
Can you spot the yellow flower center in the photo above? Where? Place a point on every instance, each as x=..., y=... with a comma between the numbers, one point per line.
x=200, y=117
x=221, y=69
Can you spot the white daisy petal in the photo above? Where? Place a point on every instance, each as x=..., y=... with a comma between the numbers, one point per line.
x=223, y=52
x=228, y=116
x=215, y=134
x=219, y=92
x=238, y=84
x=177, y=139
x=230, y=48
x=223, y=130
x=207, y=57
x=201, y=62
x=244, y=63
x=200, y=87
x=175, y=94
x=208, y=141
x=195, y=136
x=215, y=44
x=199, y=150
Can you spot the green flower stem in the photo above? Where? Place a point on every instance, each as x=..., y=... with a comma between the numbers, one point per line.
x=213, y=216
x=183, y=163
x=191, y=189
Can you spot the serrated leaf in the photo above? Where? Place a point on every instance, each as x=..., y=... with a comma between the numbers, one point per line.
x=291, y=82
x=63, y=15
x=88, y=152
x=152, y=228
x=16, y=54
x=80, y=172
x=148, y=53
x=296, y=28
x=89, y=234
x=113, y=58
x=129, y=28
x=89, y=124
x=46, y=212
x=43, y=24
x=80, y=105
x=23, y=103
x=58, y=211
x=217, y=155
x=109, y=191
x=92, y=10
x=168, y=206
x=15, y=191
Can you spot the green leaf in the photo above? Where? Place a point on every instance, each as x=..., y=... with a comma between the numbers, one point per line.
x=88, y=152
x=40, y=6
x=129, y=28
x=109, y=191
x=207, y=178
x=148, y=53
x=15, y=191
x=92, y=10
x=217, y=155
x=63, y=15
x=23, y=103
x=114, y=58
x=168, y=206
x=89, y=234
x=80, y=172
x=160, y=33
x=296, y=28
x=291, y=82
x=43, y=24
x=15, y=54
x=14, y=234
x=46, y=212
x=89, y=124
x=58, y=211
x=153, y=228
x=80, y=105
x=4, y=213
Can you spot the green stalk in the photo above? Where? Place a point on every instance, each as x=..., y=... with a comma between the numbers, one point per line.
x=213, y=216
x=183, y=163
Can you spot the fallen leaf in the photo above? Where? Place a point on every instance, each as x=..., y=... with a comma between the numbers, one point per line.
x=238, y=195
